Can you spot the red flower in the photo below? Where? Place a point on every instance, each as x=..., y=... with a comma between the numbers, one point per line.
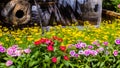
x=54, y=59
x=50, y=48
x=51, y=43
x=60, y=39
x=43, y=40
x=55, y=37
x=37, y=42
x=62, y=48
x=66, y=58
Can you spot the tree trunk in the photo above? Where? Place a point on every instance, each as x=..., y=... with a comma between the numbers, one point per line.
x=17, y=12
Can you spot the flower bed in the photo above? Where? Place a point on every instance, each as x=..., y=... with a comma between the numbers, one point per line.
x=61, y=47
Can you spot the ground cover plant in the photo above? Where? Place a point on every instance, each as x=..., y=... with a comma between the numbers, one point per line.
x=68, y=47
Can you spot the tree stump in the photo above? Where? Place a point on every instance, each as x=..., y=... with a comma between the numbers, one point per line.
x=17, y=12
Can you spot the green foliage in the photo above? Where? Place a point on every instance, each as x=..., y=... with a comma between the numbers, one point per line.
x=111, y=5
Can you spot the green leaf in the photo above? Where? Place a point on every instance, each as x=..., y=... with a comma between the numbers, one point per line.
x=44, y=45
x=86, y=66
x=118, y=66
x=44, y=65
x=102, y=64
x=66, y=63
x=35, y=54
x=58, y=60
x=6, y=58
x=12, y=66
x=54, y=66
x=36, y=66
x=98, y=64
x=32, y=63
x=61, y=66
x=47, y=59
x=118, y=62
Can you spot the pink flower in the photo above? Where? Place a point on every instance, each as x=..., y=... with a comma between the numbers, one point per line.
x=90, y=47
x=115, y=52
x=76, y=55
x=95, y=42
x=119, y=6
x=62, y=48
x=14, y=51
x=50, y=48
x=18, y=53
x=83, y=45
x=54, y=59
x=93, y=52
x=66, y=58
x=117, y=41
x=11, y=51
x=27, y=51
x=105, y=43
x=9, y=63
x=2, y=49
x=87, y=52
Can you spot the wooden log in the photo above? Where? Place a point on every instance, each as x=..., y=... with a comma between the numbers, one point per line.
x=111, y=13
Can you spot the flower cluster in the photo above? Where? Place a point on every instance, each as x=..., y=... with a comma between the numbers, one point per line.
x=44, y=41
x=93, y=50
x=15, y=51
x=51, y=48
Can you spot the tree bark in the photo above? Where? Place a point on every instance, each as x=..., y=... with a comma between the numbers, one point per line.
x=17, y=12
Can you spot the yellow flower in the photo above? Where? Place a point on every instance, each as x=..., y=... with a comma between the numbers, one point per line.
x=1, y=34
x=29, y=39
x=20, y=42
x=7, y=39
x=17, y=39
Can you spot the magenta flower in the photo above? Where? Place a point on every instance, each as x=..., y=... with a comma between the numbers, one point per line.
x=76, y=55
x=83, y=45
x=105, y=43
x=27, y=51
x=93, y=52
x=2, y=49
x=117, y=41
x=78, y=45
x=87, y=52
x=90, y=47
x=115, y=52
x=9, y=63
x=72, y=53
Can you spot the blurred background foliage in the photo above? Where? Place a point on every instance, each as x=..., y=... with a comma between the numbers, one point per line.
x=111, y=5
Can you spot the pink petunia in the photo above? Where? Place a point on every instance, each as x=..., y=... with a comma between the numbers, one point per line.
x=115, y=52
x=9, y=63
x=27, y=51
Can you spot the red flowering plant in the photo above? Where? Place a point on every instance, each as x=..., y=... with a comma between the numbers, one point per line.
x=50, y=53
